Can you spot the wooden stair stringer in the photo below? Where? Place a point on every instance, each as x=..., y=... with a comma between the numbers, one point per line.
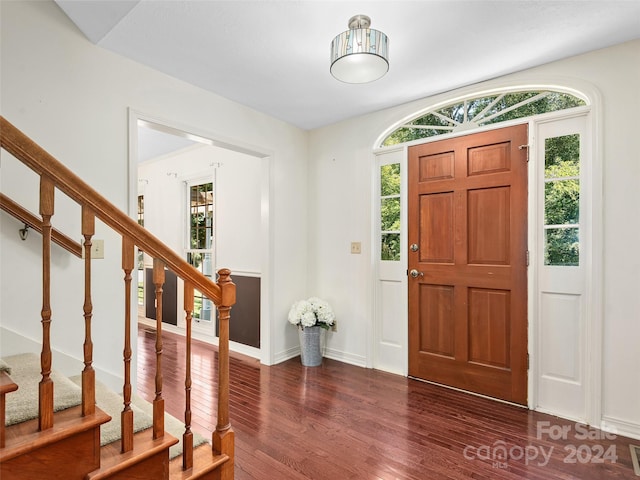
x=205, y=465
x=148, y=459
x=71, y=448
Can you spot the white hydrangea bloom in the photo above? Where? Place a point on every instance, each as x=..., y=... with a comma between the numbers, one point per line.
x=311, y=312
x=301, y=312
x=308, y=319
x=323, y=311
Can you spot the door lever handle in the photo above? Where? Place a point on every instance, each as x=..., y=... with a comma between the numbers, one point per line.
x=415, y=273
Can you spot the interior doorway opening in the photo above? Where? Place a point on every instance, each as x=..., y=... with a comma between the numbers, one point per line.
x=208, y=200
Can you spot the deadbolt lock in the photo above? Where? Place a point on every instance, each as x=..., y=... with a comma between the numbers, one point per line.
x=414, y=247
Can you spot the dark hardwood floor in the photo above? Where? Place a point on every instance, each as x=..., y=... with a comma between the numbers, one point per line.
x=338, y=422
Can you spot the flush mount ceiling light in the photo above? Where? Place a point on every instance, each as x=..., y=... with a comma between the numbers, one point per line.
x=359, y=55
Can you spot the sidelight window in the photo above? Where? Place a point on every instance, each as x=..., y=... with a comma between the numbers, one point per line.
x=562, y=200
x=390, y=212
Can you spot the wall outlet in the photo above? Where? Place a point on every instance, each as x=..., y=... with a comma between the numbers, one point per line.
x=97, y=248
x=356, y=247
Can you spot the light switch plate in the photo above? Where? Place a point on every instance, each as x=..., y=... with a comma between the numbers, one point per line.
x=97, y=248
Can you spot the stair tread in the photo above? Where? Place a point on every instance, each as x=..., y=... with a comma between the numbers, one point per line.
x=24, y=437
x=6, y=383
x=205, y=460
x=144, y=446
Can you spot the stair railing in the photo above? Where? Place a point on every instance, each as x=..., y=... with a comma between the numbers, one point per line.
x=54, y=175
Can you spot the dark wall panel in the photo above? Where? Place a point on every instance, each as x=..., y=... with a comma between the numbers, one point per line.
x=244, y=326
x=169, y=297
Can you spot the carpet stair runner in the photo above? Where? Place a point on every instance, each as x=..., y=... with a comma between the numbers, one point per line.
x=22, y=409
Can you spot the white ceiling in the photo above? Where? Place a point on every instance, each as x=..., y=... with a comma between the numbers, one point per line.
x=273, y=55
x=153, y=143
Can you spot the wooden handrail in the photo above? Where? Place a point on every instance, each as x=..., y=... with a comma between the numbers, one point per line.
x=28, y=218
x=54, y=175
x=44, y=164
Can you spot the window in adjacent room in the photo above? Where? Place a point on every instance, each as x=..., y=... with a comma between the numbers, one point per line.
x=201, y=240
x=140, y=253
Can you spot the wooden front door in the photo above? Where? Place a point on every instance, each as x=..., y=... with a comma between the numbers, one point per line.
x=467, y=263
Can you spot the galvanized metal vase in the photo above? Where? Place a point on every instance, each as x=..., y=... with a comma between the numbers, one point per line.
x=311, y=345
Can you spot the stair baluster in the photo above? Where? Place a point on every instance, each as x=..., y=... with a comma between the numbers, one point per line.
x=126, y=416
x=187, y=437
x=158, y=401
x=88, y=374
x=45, y=388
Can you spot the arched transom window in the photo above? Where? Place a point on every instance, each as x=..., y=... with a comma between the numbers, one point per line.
x=476, y=112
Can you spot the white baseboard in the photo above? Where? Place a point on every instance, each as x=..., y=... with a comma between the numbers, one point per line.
x=286, y=355
x=357, y=360
x=620, y=427
x=233, y=346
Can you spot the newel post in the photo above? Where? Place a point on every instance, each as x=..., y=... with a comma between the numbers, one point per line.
x=223, y=437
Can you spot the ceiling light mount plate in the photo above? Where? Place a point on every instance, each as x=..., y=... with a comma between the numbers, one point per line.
x=359, y=55
x=359, y=21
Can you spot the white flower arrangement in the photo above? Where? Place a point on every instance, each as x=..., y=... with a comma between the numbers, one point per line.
x=312, y=312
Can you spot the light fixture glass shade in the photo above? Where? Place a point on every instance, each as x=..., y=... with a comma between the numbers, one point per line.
x=359, y=55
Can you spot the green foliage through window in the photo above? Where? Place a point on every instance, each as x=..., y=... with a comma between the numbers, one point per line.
x=562, y=247
x=476, y=112
x=390, y=212
x=390, y=249
x=390, y=179
x=140, y=253
x=201, y=215
x=562, y=200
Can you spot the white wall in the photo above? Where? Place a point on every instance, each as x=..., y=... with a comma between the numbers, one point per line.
x=72, y=98
x=163, y=197
x=238, y=191
x=341, y=163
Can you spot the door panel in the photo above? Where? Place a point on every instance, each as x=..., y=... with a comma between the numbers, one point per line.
x=467, y=213
x=437, y=335
x=488, y=220
x=436, y=226
x=489, y=325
